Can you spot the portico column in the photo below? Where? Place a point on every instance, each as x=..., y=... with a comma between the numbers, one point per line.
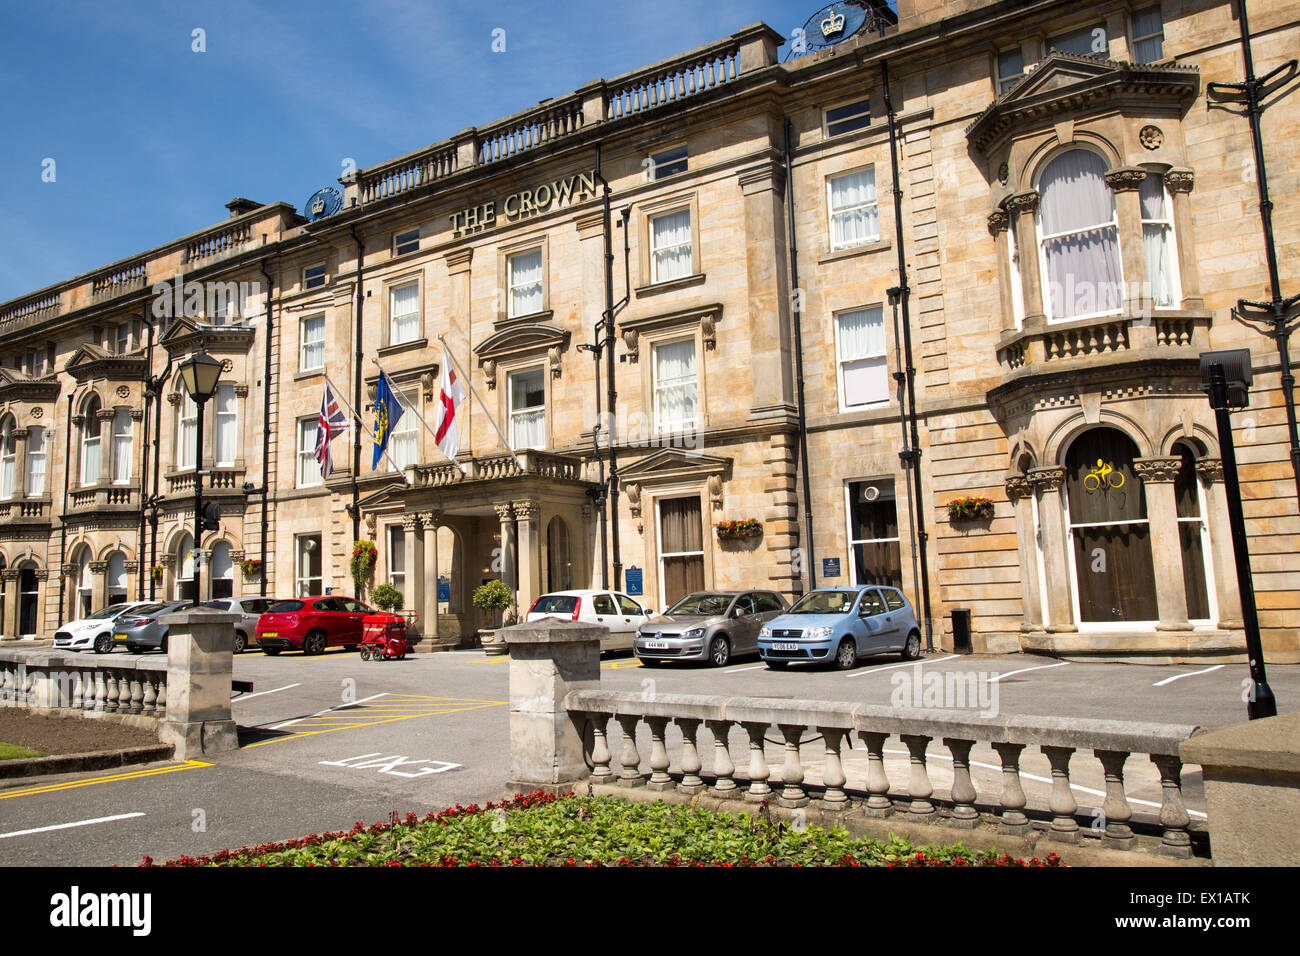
x=412, y=537
x=11, y=576
x=1125, y=182
x=999, y=227
x=1179, y=182
x=1158, y=476
x=1023, y=205
x=431, y=521
x=1051, y=516
x=105, y=417
x=1210, y=471
x=530, y=553
x=507, y=556
x=1020, y=491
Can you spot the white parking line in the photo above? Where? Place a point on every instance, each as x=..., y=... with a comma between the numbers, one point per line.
x=1025, y=670
x=65, y=826
x=330, y=709
x=877, y=670
x=1170, y=680
x=753, y=667
x=1038, y=779
x=261, y=692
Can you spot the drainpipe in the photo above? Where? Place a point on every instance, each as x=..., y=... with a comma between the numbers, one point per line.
x=63, y=518
x=266, y=431
x=355, y=510
x=141, y=572
x=611, y=394
x=899, y=378
x=798, y=363
x=910, y=456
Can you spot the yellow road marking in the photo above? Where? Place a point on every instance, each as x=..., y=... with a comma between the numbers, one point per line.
x=375, y=723
x=499, y=659
x=111, y=778
x=619, y=665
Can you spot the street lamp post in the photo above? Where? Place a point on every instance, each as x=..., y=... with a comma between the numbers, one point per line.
x=199, y=373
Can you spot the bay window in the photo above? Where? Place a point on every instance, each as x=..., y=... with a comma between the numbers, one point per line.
x=187, y=432
x=1078, y=238
x=37, y=452
x=227, y=421
x=122, y=447
x=90, y=444
x=1158, y=241
x=8, y=459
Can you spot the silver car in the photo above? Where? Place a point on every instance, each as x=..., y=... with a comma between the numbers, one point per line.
x=711, y=626
x=249, y=610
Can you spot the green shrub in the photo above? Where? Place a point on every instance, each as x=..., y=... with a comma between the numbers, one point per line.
x=387, y=598
x=493, y=596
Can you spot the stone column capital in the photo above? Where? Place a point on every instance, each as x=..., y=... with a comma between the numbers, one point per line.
x=504, y=511
x=1125, y=178
x=10, y=574
x=20, y=434
x=1019, y=486
x=527, y=509
x=98, y=567
x=1024, y=202
x=1050, y=478
x=410, y=521
x=1157, y=469
x=998, y=221
x=105, y=414
x=1180, y=180
x=1210, y=469
x=431, y=519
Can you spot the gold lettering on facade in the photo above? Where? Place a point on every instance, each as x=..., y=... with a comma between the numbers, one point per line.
x=573, y=188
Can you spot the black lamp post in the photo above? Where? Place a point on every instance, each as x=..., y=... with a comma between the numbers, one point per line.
x=199, y=374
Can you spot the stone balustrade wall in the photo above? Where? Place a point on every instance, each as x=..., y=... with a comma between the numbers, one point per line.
x=108, y=684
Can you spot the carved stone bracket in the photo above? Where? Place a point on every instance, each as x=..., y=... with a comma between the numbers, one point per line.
x=490, y=373
x=1019, y=486
x=426, y=386
x=715, y=491
x=553, y=359
x=998, y=221
x=1050, y=478
x=1180, y=180
x=1157, y=469
x=1025, y=202
x=634, y=499
x=1125, y=178
x=174, y=398
x=1209, y=469
x=708, y=326
x=631, y=340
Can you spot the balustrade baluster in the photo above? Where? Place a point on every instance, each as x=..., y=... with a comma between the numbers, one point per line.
x=149, y=702
x=691, y=765
x=792, y=792
x=758, y=769
x=1173, y=814
x=1115, y=807
x=101, y=691
x=964, y=813
x=833, y=778
x=878, y=804
x=919, y=787
x=724, y=784
x=630, y=774
x=162, y=694
x=110, y=691
x=659, y=779
x=137, y=694
x=1012, y=818
x=1065, y=828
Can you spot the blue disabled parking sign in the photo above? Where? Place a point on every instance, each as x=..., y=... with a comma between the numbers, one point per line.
x=444, y=589
x=633, y=576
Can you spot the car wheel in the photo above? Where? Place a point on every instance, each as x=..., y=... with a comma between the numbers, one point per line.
x=912, y=649
x=719, y=651
x=271, y=651
x=846, y=656
x=104, y=644
x=365, y=653
x=777, y=665
x=241, y=641
x=314, y=643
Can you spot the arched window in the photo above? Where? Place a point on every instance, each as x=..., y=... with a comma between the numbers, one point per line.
x=116, y=583
x=85, y=585
x=223, y=571
x=185, y=568
x=1110, y=536
x=90, y=442
x=559, y=557
x=28, y=598
x=121, y=447
x=8, y=456
x=38, y=440
x=1193, y=535
x=1078, y=238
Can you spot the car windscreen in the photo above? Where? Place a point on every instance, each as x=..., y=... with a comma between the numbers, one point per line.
x=147, y=609
x=555, y=604
x=825, y=602
x=111, y=611
x=284, y=607
x=701, y=603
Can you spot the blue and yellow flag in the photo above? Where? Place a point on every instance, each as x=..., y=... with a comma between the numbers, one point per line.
x=388, y=410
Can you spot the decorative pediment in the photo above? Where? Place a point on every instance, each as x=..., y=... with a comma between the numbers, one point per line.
x=91, y=361
x=390, y=494
x=1067, y=82
x=521, y=341
x=185, y=334
x=17, y=386
x=673, y=464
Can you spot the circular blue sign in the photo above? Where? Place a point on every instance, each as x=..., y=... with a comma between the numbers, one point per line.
x=833, y=24
x=323, y=202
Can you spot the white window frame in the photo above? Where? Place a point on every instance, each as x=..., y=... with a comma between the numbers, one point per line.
x=1168, y=225
x=832, y=212
x=37, y=451
x=8, y=460
x=656, y=386
x=655, y=249
x=659, y=539
x=308, y=471
x=841, y=362
x=408, y=424
x=396, y=577
x=1207, y=555
x=299, y=547
x=512, y=412
x=393, y=316
x=90, y=436
x=1017, y=281
x=668, y=158
x=304, y=343
x=123, y=445
x=228, y=460
x=511, y=285
x=186, y=444
x=848, y=527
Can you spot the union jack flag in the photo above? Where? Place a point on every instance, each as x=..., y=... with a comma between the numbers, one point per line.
x=333, y=420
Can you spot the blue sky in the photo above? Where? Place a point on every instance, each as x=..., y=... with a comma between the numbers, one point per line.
x=150, y=139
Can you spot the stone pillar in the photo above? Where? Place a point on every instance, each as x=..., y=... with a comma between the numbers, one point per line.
x=1158, y=476
x=74, y=461
x=105, y=417
x=99, y=570
x=1020, y=491
x=999, y=227
x=767, y=279
x=9, y=627
x=1022, y=206
x=457, y=315
x=1222, y=557
x=529, y=554
x=1051, y=517
x=548, y=659
x=1125, y=182
x=431, y=520
x=412, y=542
x=200, y=649
x=20, y=463
x=1179, y=182
x=591, y=258
x=507, y=516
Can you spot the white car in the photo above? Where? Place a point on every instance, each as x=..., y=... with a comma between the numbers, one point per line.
x=611, y=609
x=95, y=631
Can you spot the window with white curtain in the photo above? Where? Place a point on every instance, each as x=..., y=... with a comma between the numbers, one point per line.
x=1158, y=241
x=85, y=585
x=525, y=270
x=670, y=246
x=8, y=459
x=855, y=217
x=404, y=313
x=403, y=446
x=864, y=370
x=90, y=444
x=397, y=557
x=187, y=431
x=1148, y=35
x=311, y=338
x=227, y=421
x=37, y=451
x=122, y=447
x=1017, y=287
x=528, y=409
x=308, y=467
x=676, y=387
x=1078, y=238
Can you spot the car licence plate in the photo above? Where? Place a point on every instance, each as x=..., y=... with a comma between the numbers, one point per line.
x=785, y=647
x=655, y=645
x=269, y=634
x=119, y=637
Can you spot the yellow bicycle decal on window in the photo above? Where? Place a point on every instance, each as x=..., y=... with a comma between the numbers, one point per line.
x=1103, y=476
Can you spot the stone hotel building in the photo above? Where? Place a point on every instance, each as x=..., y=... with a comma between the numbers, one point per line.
x=974, y=252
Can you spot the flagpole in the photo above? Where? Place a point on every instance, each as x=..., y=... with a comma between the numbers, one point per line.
x=472, y=391
x=339, y=395
x=426, y=425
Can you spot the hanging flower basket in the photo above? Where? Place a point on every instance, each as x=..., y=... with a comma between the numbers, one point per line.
x=156, y=572
x=364, y=554
x=251, y=567
x=968, y=508
x=748, y=528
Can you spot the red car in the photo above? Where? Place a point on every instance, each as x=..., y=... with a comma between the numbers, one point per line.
x=311, y=624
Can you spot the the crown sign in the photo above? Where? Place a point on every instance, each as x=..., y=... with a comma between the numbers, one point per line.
x=832, y=24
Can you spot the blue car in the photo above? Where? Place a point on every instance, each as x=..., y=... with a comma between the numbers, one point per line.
x=840, y=625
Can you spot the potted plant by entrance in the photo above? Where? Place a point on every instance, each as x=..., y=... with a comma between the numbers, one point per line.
x=388, y=599
x=492, y=597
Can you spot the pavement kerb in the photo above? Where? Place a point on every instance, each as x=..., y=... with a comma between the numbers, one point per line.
x=21, y=769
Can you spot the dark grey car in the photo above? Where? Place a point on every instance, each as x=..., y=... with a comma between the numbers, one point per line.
x=140, y=630
x=711, y=626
